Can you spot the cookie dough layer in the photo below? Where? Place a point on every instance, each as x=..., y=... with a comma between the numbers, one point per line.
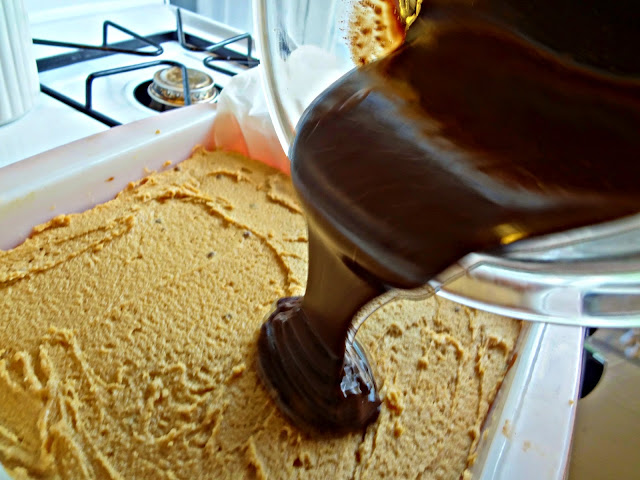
x=129, y=343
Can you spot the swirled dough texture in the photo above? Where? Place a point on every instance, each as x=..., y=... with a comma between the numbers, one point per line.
x=129, y=343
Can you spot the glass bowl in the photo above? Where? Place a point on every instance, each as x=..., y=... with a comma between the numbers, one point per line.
x=588, y=276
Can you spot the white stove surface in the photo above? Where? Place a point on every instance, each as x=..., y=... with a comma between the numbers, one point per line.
x=48, y=125
x=114, y=95
x=52, y=123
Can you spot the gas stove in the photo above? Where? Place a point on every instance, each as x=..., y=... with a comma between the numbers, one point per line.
x=100, y=67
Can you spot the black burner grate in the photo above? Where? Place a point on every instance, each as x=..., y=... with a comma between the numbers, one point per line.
x=140, y=45
x=105, y=47
x=217, y=48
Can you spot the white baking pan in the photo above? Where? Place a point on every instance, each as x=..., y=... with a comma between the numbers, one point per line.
x=528, y=431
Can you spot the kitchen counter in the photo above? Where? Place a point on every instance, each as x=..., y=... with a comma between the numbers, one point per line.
x=47, y=125
x=607, y=429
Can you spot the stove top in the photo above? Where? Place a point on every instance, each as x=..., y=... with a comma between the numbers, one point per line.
x=97, y=70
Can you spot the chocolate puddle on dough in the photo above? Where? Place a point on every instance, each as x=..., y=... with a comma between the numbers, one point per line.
x=467, y=138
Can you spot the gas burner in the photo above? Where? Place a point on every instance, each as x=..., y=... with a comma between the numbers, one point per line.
x=187, y=52
x=166, y=90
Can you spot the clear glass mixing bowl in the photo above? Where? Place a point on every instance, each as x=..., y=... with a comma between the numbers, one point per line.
x=588, y=276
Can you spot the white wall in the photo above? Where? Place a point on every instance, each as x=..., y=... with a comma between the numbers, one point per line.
x=236, y=13
x=46, y=10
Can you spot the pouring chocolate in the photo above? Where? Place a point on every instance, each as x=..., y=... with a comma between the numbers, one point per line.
x=469, y=137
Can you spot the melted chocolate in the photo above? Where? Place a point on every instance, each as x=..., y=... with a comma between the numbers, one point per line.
x=467, y=138
x=298, y=362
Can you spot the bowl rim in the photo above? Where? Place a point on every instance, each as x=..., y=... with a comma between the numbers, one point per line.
x=545, y=261
x=277, y=112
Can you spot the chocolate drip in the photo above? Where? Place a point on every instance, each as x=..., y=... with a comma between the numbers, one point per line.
x=313, y=385
x=467, y=138
x=319, y=377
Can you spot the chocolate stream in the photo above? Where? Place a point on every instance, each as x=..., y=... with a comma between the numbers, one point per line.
x=470, y=136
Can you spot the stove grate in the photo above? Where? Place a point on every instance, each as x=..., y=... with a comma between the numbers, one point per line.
x=245, y=60
x=139, y=46
x=106, y=47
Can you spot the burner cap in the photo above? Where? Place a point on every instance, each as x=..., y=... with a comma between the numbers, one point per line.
x=166, y=87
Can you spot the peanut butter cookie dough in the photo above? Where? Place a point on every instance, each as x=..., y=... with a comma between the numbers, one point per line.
x=128, y=343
